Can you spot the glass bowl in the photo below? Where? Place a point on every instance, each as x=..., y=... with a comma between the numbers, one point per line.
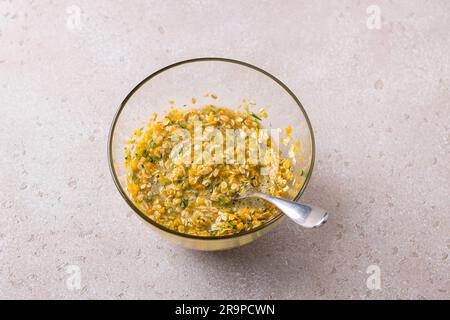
x=232, y=81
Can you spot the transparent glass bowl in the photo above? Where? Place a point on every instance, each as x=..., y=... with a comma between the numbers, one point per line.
x=231, y=81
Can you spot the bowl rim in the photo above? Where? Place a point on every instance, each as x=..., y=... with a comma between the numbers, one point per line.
x=193, y=60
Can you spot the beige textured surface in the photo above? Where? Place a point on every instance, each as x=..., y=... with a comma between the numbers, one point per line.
x=379, y=101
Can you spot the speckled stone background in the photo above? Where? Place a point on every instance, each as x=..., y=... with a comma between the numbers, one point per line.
x=378, y=99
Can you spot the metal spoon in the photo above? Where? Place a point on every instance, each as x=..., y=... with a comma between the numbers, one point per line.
x=304, y=215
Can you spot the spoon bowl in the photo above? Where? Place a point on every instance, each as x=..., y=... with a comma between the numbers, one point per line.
x=307, y=216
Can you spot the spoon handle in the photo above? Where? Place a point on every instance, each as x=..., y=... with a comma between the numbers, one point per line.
x=305, y=215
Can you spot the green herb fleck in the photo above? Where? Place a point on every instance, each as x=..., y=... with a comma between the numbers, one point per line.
x=222, y=201
x=152, y=158
x=255, y=116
